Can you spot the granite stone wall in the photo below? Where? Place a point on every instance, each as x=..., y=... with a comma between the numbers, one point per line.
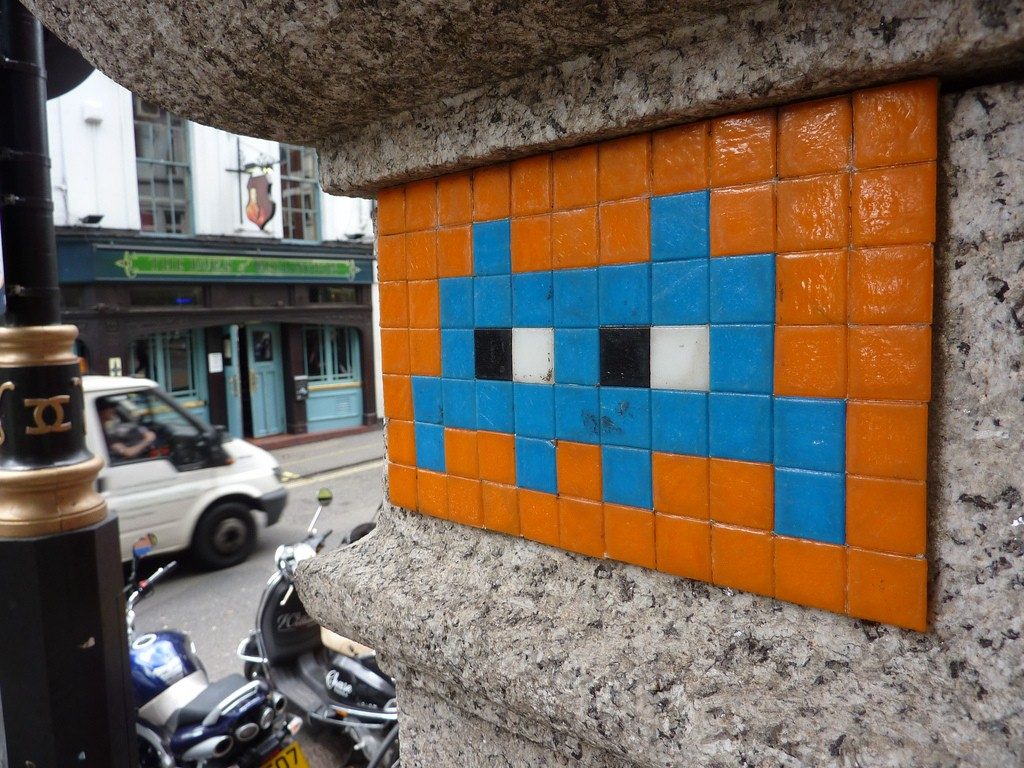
x=512, y=653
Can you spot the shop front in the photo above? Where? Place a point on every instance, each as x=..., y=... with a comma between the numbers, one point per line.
x=262, y=341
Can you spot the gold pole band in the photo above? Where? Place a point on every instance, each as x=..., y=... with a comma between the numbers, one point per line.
x=40, y=502
x=33, y=345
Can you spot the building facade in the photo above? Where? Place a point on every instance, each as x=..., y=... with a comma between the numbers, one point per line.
x=214, y=264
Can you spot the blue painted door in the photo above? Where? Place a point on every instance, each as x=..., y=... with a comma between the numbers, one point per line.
x=233, y=383
x=266, y=389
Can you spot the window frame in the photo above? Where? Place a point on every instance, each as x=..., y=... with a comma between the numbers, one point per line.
x=291, y=182
x=329, y=359
x=170, y=123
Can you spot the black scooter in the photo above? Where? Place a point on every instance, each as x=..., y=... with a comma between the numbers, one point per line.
x=331, y=682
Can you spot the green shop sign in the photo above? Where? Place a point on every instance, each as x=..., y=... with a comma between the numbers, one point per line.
x=142, y=265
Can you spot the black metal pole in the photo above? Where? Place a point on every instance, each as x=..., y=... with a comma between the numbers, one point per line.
x=65, y=696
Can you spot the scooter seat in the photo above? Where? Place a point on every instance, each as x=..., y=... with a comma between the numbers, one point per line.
x=203, y=704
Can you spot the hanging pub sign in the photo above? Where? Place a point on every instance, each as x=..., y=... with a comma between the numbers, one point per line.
x=260, y=208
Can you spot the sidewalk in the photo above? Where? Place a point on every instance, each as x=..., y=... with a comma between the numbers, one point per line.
x=314, y=458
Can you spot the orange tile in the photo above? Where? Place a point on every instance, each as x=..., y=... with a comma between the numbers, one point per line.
x=887, y=439
x=886, y=515
x=424, y=307
x=425, y=352
x=491, y=192
x=629, y=535
x=531, y=185
x=574, y=176
x=454, y=199
x=402, y=486
x=683, y=547
x=742, y=493
x=890, y=362
x=394, y=350
x=465, y=504
x=394, y=305
x=391, y=211
x=680, y=159
x=574, y=238
x=813, y=213
x=742, y=559
x=531, y=244
x=421, y=255
x=421, y=205
x=501, y=508
x=815, y=137
x=391, y=257
x=896, y=124
x=680, y=484
x=402, y=442
x=743, y=148
x=454, y=252
x=497, y=451
x=891, y=285
x=894, y=206
x=460, y=453
x=578, y=467
x=742, y=220
x=432, y=493
x=624, y=167
x=811, y=288
x=625, y=228
x=538, y=516
x=810, y=360
x=888, y=588
x=397, y=397
x=810, y=573
x=581, y=526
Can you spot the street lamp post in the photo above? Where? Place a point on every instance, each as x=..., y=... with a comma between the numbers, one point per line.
x=65, y=698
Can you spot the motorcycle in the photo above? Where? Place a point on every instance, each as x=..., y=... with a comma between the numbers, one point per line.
x=332, y=682
x=185, y=721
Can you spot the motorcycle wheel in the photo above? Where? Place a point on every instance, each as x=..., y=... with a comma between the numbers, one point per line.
x=225, y=535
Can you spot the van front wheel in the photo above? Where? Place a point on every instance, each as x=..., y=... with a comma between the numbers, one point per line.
x=225, y=535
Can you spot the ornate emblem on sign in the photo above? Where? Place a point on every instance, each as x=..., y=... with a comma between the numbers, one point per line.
x=41, y=406
x=260, y=208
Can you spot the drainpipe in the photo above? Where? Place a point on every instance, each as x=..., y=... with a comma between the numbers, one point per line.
x=65, y=697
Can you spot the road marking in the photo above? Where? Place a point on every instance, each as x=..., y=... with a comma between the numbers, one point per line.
x=333, y=475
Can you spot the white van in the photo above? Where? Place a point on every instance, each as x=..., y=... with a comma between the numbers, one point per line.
x=170, y=474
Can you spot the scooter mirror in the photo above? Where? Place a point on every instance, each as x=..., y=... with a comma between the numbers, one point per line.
x=324, y=496
x=144, y=545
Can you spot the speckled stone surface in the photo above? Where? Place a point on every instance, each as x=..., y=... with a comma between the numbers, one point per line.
x=605, y=664
x=393, y=92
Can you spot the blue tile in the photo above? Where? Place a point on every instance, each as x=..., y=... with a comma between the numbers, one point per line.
x=459, y=403
x=679, y=292
x=625, y=294
x=456, y=298
x=492, y=247
x=494, y=406
x=743, y=289
x=577, y=413
x=575, y=298
x=626, y=476
x=577, y=355
x=741, y=358
x=740, y=427
x=457, y=354
x=430, y=446
x=810, y=433
x=626, y=416
x=680, y=226
x=535, y=464
x=426, y=399
x=532, y=300
x=492, y=301
x=810, y=505
x=679, y=422
x=534, y=410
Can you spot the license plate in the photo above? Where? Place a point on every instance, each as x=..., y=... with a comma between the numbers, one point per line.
x=289, y=757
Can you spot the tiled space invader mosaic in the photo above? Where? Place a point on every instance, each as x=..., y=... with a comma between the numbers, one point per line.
x=704, y=349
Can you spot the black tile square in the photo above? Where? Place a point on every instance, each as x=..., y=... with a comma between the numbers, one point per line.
x=625, y=357
x=493, y=348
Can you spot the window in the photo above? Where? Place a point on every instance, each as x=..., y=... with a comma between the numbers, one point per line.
x=331, y=354
x=162, y=162
x=300, y=193
x=173, y=360
x=165, y=295
x=144, y=425
x=333, y=294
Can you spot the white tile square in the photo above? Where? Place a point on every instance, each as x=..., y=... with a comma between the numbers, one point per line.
x=533, y=355
x=680, y=357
